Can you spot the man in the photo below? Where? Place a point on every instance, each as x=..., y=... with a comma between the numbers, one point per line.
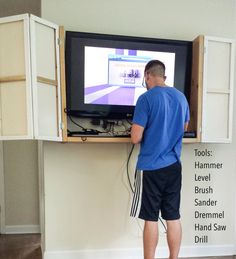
x=161, y=116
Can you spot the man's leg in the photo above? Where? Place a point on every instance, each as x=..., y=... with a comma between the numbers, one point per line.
x=150, y=239
x=174, y=236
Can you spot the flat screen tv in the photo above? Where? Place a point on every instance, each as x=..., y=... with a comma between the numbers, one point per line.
x=104, y=73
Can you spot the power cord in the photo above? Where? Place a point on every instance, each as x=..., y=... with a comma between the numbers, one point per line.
x=84, y=129
x=127, y=170
x=130, y=122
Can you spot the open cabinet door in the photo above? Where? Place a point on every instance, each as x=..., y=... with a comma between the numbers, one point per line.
x=196, y=87
x=16, y=120
x=44, y=37
x=217, y=101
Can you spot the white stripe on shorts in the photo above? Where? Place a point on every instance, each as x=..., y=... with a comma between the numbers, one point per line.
x=137, y=196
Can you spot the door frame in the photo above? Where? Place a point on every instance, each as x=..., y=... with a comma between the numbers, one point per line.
x=2, y=191
x=41, y=192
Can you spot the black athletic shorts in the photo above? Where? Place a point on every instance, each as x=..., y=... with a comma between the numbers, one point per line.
x=157, y=190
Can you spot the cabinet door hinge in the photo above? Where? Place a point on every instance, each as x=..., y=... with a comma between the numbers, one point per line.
x=62, y=125
x=59, y=41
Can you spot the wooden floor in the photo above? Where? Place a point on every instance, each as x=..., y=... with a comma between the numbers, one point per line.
x=214, y=257
x=26, y=246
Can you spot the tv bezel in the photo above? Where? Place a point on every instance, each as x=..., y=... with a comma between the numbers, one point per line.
x=75, y=90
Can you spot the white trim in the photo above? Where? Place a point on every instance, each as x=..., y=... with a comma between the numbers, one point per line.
x=2, y=191
x=219, y=39
x=218, y=141
x=231, y=83
x=34, y=76
x=49, y=138
x=208, y=250
x=22, y=229
x=13, y=137
x=29, y=102
x=58, y=72
x=41, y=193
x=203, y=138
x=218, y=91
x=13, y=18
x=44, y=22
x=136, y=253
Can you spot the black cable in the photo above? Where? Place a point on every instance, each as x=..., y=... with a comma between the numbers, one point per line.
x=84, y=129
x=127, y=167
x=127, y=130
x=163, y=224
x=111, y=128
x=130, y=123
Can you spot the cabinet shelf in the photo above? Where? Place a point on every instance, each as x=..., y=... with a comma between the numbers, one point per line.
x=99, y=139
x=113, y=140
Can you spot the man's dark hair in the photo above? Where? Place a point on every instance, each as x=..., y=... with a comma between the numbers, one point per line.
x=155, y=67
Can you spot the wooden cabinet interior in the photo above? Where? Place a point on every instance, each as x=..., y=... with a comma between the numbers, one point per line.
x=195, y=97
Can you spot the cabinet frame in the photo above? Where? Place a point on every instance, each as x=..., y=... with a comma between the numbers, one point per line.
x=85, y=139
x=197, y=95
x=36, y=79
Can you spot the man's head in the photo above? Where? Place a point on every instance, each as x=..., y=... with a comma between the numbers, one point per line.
x=154, y=74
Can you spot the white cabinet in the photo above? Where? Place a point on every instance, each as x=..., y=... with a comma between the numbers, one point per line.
x=217, y=96
x=211, y=101
x=30, y=105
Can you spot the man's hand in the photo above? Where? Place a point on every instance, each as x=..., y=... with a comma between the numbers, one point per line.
x=136, y=133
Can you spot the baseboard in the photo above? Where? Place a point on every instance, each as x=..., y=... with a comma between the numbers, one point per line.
x=22, y=229
x=208, y=250
x=136, y=253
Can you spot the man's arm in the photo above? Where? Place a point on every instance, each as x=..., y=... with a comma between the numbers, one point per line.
x=136, y=133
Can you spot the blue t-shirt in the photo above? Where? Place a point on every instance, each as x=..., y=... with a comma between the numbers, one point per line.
x=162, y=111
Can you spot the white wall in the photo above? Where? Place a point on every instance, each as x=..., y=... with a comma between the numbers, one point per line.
x=86, y=195
x=21, y=186
x=183, y=19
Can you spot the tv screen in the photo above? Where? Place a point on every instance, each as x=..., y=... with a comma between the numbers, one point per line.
x=104, y=73
x=118, y=74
